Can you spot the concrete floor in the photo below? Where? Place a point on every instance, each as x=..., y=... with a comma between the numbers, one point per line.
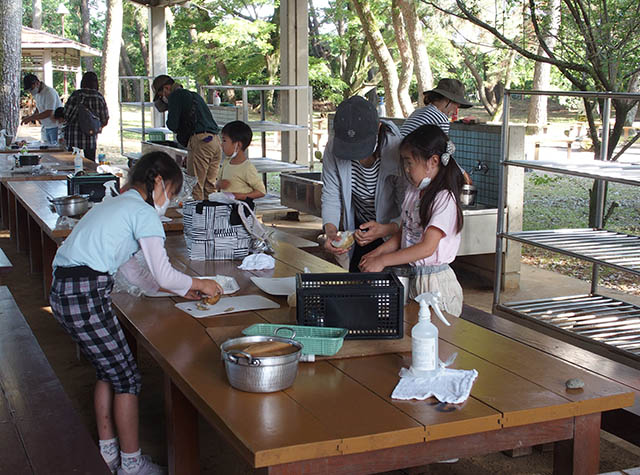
x=78, y=377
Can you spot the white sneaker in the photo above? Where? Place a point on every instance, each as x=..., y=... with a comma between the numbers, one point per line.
x=147, y=467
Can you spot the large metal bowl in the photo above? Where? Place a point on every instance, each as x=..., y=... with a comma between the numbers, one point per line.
x=468, y=195
x=264, y=374
x=72, y=205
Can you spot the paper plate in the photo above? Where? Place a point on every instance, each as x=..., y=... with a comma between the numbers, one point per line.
x=276, y=285
x=226, y=305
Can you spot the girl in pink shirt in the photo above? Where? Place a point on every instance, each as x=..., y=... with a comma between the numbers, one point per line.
x=431, y=219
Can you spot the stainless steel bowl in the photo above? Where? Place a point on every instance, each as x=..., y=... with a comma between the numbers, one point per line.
x=72, y=205
x=468, y=195
x=264, y=374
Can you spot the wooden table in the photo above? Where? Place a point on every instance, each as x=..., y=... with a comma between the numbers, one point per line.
x=35, y=227
x=61, y=165
x=338, y=416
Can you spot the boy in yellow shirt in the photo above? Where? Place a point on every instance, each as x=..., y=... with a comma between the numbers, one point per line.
x=238, y=175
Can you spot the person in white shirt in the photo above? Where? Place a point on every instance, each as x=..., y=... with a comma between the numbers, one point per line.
x=47, y=101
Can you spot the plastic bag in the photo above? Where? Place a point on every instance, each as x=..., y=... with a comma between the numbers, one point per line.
x=186, y=194
x=121, y=284
x=66, y=222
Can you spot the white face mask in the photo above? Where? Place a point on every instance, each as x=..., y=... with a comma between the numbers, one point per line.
x=235, y=152
x=161, y=210
x=424, y=183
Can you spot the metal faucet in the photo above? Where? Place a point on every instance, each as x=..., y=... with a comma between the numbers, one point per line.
x=481, y=167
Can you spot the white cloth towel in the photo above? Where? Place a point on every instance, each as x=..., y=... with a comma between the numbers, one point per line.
x=257, y=262
x=447, y=385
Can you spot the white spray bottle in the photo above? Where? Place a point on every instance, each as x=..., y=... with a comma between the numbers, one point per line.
x=78, y=157
x=424, y=337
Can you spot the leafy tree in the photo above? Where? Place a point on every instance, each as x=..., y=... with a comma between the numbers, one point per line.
x=597, y=50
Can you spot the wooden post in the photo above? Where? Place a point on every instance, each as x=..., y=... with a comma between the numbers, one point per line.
x=157, y=52
x=294, y=66
x=182, y=431
x=580, y=455
x=35, y=247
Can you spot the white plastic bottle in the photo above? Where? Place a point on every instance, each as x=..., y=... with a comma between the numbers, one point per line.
x=424, y=337
x=78, y=157
x=216, y=98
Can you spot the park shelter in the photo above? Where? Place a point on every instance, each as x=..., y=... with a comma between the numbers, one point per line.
x=294, y=64
x=44, y=53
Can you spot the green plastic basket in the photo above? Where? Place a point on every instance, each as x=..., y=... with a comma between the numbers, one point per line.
x=324, y=341
x=156, y=136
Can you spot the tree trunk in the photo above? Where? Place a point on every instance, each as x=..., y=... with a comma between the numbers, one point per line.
x=272, y=61
x=479, y=80
x=421, y=64
x=634, y=86
x=144, y=49
x=110, y=62
x=85, y=36
x=383, y=57
x=318, y=49
x=223, y=74
x=126, y=69
x=502, y=85
x=542, y=71
x=10, y=38
x=406, y=60
x=36, y=19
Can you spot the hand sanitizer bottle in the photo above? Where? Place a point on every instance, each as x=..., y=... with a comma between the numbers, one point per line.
x=424, y=338
x=78, y=156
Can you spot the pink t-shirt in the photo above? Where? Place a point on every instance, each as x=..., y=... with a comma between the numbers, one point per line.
x=443, y=218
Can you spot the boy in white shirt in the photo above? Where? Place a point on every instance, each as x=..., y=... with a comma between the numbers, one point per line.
x=47, y=101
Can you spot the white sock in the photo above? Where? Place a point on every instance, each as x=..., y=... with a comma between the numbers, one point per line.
x=130, y=463
x=109, y=449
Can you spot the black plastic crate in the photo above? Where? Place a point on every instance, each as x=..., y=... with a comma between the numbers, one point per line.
x=369, y=305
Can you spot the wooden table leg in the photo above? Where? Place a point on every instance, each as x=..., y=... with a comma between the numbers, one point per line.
x=35, y=246
x=22, y=228
x=49, y=248
x=182, y=431
x=4, y=205
x=580, y=455
x=11, y=203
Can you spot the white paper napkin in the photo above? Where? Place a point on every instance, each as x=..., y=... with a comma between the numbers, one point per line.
x=447, y=385
x=257, y=262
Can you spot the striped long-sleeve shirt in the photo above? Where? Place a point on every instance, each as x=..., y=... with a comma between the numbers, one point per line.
x=429, y=114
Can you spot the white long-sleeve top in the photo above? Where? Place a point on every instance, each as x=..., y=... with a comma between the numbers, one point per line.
x=161, y=273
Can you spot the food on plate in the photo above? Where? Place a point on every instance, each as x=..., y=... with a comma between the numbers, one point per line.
x=202, y=306
x=346, y=240
x=212, y=300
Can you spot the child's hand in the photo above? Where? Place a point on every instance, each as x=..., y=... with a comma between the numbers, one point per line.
x=203, y=287
x=224, y=184
x=240, y=196
x=371, y=264
x=375, y=253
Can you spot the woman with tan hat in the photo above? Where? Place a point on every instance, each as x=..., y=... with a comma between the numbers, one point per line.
x=440, y=104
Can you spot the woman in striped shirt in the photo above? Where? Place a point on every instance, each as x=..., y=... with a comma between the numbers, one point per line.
x=363, y=184
x=440, y=104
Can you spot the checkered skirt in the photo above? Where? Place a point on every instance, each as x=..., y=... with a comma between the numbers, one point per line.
x=82, y=305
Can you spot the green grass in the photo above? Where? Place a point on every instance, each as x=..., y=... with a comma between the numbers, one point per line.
x=559, y=201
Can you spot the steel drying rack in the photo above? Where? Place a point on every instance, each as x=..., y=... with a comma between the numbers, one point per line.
x=594, y=318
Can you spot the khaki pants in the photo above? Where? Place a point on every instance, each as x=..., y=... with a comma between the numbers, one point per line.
x=203, y=161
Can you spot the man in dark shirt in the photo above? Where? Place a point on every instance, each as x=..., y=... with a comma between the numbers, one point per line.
x=190, y=119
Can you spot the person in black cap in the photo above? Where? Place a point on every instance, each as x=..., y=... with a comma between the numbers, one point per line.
x=440, y=103
x=190, y=118
x=363, y=185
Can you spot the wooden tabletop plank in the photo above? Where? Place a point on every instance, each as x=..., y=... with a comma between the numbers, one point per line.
x=612, y=370
x=59, y=163
x=265, y=428
x=380, y=375
x=599, y=394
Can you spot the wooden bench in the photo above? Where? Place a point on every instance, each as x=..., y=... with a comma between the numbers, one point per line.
x=40, y=431
x=624, y=423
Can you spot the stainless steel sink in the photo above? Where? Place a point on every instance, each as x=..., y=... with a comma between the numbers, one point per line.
x=303, y=191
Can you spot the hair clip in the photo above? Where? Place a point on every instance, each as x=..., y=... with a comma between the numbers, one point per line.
x=444, y=158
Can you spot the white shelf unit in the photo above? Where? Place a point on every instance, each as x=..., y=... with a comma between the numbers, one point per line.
x=144, y=93
x=607, y=321
x=263, y=126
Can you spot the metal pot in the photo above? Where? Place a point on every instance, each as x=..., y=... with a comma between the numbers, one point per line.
x=262, y=374
x=468, y=195
x=70, y=205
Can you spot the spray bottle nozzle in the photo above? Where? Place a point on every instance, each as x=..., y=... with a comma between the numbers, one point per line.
x=428, y=299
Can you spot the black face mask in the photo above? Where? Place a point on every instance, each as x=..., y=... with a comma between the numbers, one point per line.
x=160, y=105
